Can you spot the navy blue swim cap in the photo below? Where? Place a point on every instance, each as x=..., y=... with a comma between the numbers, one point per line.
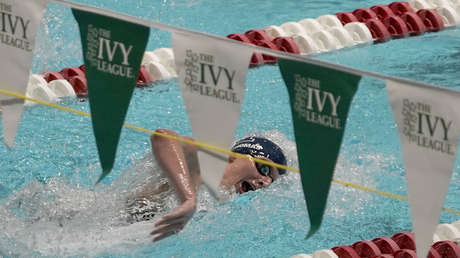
x=259, y=147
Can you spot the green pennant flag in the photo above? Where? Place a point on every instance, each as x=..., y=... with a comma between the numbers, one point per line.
x=320, y=99
x=113, y=51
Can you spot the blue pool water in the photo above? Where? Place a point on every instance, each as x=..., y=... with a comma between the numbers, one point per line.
x=49, y=207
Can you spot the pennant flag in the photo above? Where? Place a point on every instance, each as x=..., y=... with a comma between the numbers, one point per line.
x=429, y=126
x=113, y=51
x=320, y=99
x=212, y=76
x=19, y=25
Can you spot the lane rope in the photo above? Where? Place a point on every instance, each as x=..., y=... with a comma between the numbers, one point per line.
x=217, y=149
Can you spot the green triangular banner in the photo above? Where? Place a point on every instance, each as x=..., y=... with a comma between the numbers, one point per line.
x=320, y=100
x=113, y=51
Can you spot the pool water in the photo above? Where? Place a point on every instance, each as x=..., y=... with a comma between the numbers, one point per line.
x=49, y=206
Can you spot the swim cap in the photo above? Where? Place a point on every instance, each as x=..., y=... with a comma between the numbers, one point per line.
x=259, y=147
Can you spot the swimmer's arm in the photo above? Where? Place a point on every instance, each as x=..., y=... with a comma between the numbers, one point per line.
x=179, y=162
x=191, y=157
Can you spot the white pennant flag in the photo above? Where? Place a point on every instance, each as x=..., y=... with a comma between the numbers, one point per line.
x=19, y=23
x=212, y=76
x=429, y=126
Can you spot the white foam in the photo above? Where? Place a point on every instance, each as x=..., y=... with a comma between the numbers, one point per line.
x=329, y=21
x=440, y=3
x=302, y=256
x=166, y=57
x=447, y=232
x=359, y=32
x=326, y=41
x=37, y=88
x=306, y=44
x=148, y=57
x=61, y=88
x=449, y=16
x=420, y=4
x=158, y=71
x=274, y=31
x=293, y=28
x=343, y=36
x=325, y=253
x=311, y=25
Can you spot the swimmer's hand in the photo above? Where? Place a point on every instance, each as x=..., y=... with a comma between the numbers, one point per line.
x=175, y=221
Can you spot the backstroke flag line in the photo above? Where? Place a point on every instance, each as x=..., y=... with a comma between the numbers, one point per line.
x=20, y=22
x=429, y=126
x=212, y=77
x=113, y=51
x=320, y=100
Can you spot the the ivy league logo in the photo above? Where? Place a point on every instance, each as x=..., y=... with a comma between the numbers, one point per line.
x=315, y=105
x=102, y=52
x=203, y=77
x=14, y=28
x=423, y=128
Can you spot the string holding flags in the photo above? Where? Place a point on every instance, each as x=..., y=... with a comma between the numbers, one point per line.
x=112, y=62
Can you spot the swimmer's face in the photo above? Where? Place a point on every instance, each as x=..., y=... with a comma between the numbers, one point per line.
x=243, y=174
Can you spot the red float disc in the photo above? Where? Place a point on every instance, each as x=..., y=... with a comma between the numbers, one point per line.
x=268, y=44
x=366, y=249
x=346, y=17
x=144, y=77
x=364, y=14
x=386, y=245
x=68, y=73
x=239, y=37
x=400, y=8
x=431, y=19
x=82, y=67
x=379, y=32
x=79, y=85
x=405, y=240
x=384, y=256
x=414, y=23
x=433, y=253
x=345, y=251
x=447, y=249
x=257, y=35
x=256, y=59
x=405, y=253
x=396, y=26
x=286, y=44
x=51, y=76
x=382, y=11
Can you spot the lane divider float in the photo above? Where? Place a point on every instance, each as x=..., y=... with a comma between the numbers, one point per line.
x=446, y=243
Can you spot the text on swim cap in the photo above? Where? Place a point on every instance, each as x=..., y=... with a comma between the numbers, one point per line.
x=249, y=145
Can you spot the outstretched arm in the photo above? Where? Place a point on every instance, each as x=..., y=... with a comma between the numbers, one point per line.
x=180, y=163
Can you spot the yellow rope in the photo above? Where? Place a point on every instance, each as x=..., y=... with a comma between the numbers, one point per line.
x=217, y=149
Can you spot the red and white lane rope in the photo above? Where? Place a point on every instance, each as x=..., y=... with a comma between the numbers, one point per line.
x=446, y=242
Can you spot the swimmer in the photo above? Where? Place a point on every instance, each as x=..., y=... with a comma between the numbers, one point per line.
x=179, y=162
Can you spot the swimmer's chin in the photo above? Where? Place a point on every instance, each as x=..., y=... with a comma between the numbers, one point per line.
x=226, y=193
